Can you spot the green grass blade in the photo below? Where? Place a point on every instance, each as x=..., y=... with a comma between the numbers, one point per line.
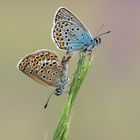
x=62, y=130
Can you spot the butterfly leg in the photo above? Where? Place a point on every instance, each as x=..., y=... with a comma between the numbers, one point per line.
x=75, y=48
x=65, y=60
x=90, y=55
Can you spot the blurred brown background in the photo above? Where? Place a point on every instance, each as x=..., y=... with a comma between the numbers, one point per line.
x=107, y=107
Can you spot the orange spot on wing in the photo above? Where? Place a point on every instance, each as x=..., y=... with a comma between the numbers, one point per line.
x=48, y=57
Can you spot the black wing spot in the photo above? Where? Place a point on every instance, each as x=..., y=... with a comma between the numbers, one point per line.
x=82, y=34
x=72, y=29
x=67, y=43
x=31, y=72
x=50, y=64
x=54, y=62
x=41, y=71
x=44, y=76
x=68, y=39
x=50, y=79
x=67, y=29
x=65, y=33
x=77, y=29
x=53, y=74
x=66, y=36
x=68, y=19
x=49, y=71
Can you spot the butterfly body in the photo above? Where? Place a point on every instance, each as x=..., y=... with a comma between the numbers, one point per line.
x=70, y=34
x=44, y=67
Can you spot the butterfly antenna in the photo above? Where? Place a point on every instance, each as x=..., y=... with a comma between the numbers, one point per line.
x=103, y=33
x=48, y=99
x=101, y=27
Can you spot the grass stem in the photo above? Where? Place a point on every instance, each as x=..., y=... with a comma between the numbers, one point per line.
x=62, y=129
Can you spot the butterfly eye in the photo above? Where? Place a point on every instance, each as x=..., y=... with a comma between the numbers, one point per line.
x=96, y=40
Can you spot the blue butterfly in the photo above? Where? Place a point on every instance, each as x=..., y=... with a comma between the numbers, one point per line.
x=71, y=35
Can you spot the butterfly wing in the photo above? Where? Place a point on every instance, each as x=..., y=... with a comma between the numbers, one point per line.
x=69, y=33
x=65, y=14
x=25, y=66
x=47, y=67
x=42, y=66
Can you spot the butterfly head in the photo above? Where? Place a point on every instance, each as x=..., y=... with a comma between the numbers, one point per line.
x=97, y=40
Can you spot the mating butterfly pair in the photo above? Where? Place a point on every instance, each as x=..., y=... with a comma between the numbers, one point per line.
x=68, y=34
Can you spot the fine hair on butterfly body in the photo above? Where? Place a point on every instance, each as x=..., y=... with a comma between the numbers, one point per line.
x=44, y=67
x=70, y=34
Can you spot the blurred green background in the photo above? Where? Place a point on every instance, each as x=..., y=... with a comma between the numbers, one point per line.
x=108, y=105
